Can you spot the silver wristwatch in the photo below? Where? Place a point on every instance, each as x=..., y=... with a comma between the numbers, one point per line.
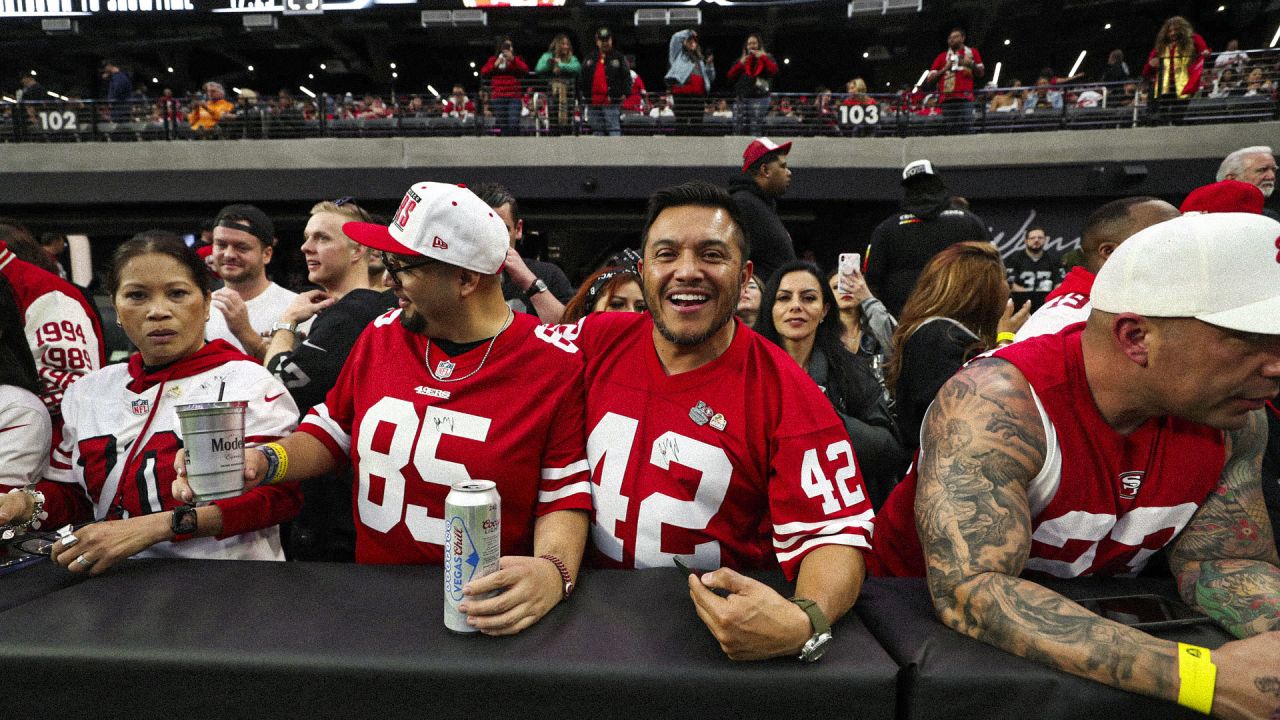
x=817, y=643
x=291, y=327
x=538, y=286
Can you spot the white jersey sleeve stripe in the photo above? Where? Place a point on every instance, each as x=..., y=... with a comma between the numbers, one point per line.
x=860, y=520
x=857, y=541
x=564, y=472
x=546, y=496
x=320, y=419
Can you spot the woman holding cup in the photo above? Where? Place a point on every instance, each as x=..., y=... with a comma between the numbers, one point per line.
x=115, y=459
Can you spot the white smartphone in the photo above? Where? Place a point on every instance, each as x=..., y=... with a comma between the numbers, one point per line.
x=849, y=267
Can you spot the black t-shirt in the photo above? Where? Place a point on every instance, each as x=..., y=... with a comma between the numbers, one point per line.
x=312, y=368
x=1041, y=276
x=550, y=273
x=905, y=242
x=929, y=358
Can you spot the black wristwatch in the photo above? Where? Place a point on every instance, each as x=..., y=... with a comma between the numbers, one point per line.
x=183, y=523
x=538, y=286
x=817, y=643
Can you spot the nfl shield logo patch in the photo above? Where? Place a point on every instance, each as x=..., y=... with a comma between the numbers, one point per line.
x=140, y=407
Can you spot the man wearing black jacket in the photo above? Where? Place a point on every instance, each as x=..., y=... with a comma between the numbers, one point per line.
x=765, y=178
x=606, y=80
x=905, y=242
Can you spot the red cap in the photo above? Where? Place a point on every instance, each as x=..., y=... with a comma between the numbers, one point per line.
x=1225, y=196
x=204, y=251
x=760, y=147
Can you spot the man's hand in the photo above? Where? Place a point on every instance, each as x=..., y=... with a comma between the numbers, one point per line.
x=104, y=544
x=15, y=508
x=519, y=273
x=306, y=305
x=528, y=588
x=232, y=307
x=753, y=622
x=1011, y=321
x=1248, y=684
x=255, y=470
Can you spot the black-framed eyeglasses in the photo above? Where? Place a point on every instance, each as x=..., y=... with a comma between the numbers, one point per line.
x=394, y=267
x=350, y=200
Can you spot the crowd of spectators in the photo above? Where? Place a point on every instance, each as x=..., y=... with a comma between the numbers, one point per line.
x=589, y=90
x=898, y=390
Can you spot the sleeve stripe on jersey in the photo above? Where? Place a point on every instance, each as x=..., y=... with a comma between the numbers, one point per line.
x=546, y=496
x=59, y=465
x=564, y=472
x=857, y=541
x=319, y=417
x=860, y=520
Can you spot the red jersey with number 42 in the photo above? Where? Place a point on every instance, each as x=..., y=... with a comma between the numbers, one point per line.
x=1103, y=502
x=517, y=421
x=740, y=463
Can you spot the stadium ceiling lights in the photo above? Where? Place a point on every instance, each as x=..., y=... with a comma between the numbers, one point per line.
x=883, y=7
x=454, y=18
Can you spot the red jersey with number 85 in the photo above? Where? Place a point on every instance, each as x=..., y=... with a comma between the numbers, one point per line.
x=517, y=421
x=740, y=463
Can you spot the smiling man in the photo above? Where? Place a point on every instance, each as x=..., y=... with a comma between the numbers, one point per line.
x=709, y=444
x=244, y=240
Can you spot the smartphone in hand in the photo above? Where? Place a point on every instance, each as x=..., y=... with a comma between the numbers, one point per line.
x=849, y=268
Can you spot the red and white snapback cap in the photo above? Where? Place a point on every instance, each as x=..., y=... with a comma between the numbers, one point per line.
x=1220, y=268
x=760, y=147
x=443, y=222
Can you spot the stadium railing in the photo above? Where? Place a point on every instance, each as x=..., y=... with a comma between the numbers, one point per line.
x=1239, y=87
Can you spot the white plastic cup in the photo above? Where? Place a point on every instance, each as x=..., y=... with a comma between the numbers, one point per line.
x=213, y=435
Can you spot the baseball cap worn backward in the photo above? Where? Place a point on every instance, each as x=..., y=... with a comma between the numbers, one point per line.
x=760, y=147
x=1225, y=196
x=443, y=222
x=247, y=218
x=1220, y=268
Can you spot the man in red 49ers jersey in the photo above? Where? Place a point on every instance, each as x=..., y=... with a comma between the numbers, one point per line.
x=1085, y=452
x=453, y=386
x=709, y=444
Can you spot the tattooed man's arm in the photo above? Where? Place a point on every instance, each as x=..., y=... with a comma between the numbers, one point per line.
x=1225, y=560
x=982, y=443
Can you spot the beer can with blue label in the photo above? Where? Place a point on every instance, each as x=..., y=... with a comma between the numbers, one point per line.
x=472, y=543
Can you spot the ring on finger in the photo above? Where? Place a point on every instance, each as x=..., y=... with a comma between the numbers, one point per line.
x=69, y=540
x=82, y=560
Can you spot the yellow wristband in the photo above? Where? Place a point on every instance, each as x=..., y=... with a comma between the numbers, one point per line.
x=1198, y=675
x=283, y=468
x=1004, y=337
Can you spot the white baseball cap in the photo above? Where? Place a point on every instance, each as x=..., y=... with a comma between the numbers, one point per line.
x=917, y=168
x=440, y=221
x=1220, y=268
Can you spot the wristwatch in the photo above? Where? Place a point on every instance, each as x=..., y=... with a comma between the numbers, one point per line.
x=564, y=574
x=538, y=286
x=817, y=643
x=183, y=523
x=291, y=327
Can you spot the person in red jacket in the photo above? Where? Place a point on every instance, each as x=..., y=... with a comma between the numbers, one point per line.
x=1175, y=65
x=752, y=77
x=504, y=70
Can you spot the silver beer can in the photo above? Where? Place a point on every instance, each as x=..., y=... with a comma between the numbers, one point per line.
x=472, y=543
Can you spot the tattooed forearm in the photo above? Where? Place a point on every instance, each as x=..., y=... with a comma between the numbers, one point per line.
x=1224, y=560
x=1034, y=622
x=1241, y=595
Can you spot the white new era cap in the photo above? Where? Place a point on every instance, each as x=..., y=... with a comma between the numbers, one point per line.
x=441, y=221
x=1221, y=268
x=918, y=167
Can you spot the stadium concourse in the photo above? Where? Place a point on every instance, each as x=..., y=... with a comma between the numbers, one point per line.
x=892, y=503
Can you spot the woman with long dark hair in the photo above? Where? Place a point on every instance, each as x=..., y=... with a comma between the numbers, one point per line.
x=115, y=462
x=504, y=70
x=752, y=77
x=1175, y=65
x=24, y=421
x=959, y=308
x=798, y=313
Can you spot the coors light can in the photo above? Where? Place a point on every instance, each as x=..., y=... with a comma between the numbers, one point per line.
x=472, y=543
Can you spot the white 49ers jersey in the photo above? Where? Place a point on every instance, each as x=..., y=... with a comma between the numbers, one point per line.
x=122, y=434
x=740, y=463
x=511, y=414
